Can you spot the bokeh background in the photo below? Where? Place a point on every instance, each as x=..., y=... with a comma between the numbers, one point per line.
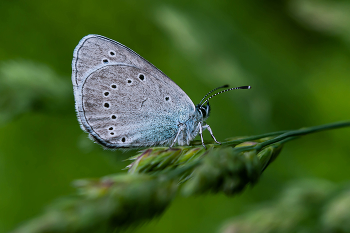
x=295, y=54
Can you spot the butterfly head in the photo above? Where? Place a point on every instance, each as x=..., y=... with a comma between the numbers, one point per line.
x=204, y=110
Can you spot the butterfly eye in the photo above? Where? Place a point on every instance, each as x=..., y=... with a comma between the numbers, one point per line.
x=204, y=113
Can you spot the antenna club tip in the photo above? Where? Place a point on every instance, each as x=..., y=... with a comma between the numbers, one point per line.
x=244, y=87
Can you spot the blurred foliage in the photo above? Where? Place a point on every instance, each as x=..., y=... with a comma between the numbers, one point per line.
x=26, y=86
x=107, y=205
x=295, y=54
x=304, y=206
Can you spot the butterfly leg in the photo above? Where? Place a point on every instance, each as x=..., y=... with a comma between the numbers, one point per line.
x=201, y=134
x=181, y=127
x=211, y=133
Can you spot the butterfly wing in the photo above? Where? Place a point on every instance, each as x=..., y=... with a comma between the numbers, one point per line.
x=122, y=100
x=95, y=51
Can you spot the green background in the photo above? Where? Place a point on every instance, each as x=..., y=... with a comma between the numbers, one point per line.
x=295, y=54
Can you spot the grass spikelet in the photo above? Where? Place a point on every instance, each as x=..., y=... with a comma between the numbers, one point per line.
x=158, y=174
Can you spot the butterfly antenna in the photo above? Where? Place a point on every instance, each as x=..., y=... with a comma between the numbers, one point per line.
x=230, y=89
x=224, y=86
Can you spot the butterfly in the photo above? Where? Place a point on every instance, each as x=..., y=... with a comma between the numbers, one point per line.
x=124, y=101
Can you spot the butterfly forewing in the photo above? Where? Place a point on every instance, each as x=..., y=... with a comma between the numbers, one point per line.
x=94, y=51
